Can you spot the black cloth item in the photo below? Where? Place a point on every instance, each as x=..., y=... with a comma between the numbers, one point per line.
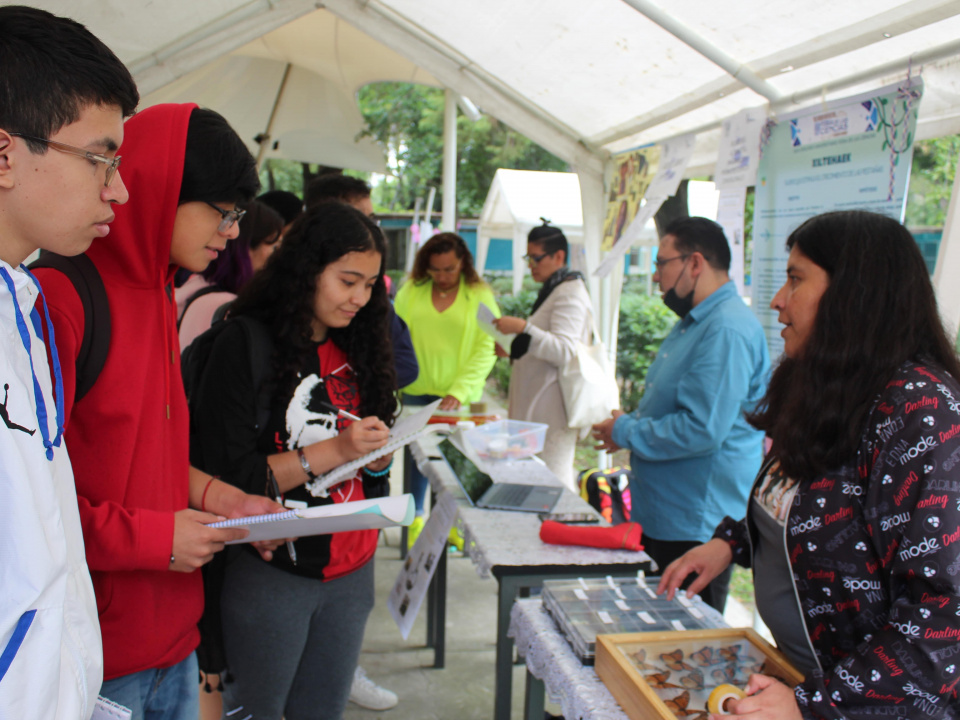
x=521, y=343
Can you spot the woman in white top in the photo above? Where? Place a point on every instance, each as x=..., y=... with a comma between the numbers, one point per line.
x=546, y=341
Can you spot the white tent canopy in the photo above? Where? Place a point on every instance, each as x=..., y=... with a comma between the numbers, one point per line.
x=583, y=79
x=517, y=201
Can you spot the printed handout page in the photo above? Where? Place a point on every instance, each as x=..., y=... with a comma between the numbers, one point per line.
x=412, y=582
x=486, y=317
x=405, y=431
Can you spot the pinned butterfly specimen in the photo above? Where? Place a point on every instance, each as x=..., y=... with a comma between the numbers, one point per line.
x=679, y=706
x=640, y=658
x=706, y=656
x=693, y=681
x=724, y=674
x=731, y=653
x=674, y=660
x=659, y=680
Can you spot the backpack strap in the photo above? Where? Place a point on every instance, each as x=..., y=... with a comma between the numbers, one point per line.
x=196, y=296
x=95, y=346
x=261, y=351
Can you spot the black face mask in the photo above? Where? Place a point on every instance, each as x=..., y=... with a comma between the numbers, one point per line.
x=680, y=305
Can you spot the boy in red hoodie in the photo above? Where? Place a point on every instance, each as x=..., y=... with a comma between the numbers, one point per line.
x=144, y=510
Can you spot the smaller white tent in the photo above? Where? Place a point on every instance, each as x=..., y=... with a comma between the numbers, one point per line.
x=515, y=204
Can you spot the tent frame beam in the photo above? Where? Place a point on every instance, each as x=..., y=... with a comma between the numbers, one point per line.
x=899, y=20
x=215, y=39
x=459, y=73
x=738, y=70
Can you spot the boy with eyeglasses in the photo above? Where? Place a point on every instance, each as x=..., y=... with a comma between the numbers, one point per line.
x=63, y=97
x=145, y=511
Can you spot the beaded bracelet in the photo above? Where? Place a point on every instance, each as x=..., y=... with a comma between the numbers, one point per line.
x=379, y=473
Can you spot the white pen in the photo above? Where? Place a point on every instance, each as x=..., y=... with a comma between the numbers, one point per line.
x=341, y=412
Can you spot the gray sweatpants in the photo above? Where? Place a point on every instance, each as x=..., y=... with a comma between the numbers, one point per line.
x=292, y=643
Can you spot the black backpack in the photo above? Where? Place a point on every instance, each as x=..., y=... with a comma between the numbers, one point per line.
x=194, y=357
x=95, y=345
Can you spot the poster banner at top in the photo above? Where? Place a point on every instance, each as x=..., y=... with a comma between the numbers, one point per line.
x=848, y=154
x=632, y=173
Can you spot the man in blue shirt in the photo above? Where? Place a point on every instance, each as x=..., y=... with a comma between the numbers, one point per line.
x=692, y=453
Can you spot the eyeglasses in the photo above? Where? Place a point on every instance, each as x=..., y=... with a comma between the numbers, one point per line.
x=228, y=217
x=111, y=163
x=660, y=263
x=432, y=272
x=535, y=259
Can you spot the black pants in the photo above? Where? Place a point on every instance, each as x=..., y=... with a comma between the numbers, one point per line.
x=665, y=552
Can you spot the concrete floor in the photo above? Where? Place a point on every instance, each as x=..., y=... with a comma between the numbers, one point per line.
x=463, y=690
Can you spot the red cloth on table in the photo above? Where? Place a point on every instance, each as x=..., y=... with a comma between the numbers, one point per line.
x=625, y=536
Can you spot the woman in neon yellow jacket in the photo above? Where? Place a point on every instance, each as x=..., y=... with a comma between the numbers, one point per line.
x=439, y=303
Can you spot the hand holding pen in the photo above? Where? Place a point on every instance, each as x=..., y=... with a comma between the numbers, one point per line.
x=362, y=436
x=275, y=489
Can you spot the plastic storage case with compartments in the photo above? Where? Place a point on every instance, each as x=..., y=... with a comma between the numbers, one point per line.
x=587, y=607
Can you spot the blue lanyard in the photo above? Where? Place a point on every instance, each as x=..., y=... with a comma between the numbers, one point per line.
x=27, y=344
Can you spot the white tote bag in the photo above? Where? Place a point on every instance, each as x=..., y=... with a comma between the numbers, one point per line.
x=588, y=384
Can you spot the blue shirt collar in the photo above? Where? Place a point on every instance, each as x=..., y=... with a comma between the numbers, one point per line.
x=706, y=306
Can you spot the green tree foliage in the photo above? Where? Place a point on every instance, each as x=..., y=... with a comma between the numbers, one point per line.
x=644, y=323
x=407, y=121
x=931, y=180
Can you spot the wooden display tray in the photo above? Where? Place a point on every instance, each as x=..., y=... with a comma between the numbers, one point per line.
x=698, y=661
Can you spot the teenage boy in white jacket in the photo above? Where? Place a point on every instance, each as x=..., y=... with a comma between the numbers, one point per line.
x=63, y=98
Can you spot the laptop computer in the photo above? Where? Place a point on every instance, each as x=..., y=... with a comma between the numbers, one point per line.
x=482, y=492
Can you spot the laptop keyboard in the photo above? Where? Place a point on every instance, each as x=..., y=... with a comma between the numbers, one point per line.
x=510, y=495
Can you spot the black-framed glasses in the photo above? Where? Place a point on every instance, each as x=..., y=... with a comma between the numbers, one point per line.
x=660, y=263
x=111, y=163
x=535, y=259
x=228, y=218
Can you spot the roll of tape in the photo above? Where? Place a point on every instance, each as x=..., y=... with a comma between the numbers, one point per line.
x=716, y=703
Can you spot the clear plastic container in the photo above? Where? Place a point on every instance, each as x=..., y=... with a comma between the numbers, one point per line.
x=506, y=440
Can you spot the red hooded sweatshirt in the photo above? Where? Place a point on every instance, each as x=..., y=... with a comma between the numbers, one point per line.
x=128, y=437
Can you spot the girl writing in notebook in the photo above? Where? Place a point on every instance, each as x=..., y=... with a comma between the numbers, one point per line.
x=293, y=627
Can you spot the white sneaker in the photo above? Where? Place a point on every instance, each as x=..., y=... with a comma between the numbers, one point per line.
x=367, y=694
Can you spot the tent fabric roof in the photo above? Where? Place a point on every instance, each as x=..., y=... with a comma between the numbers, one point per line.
x=582, y=79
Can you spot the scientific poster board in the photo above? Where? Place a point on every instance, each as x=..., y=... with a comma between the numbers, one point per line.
x=631, y=175
x=849, y=154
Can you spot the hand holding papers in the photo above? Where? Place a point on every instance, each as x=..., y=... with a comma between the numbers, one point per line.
x=325, y=519
x=485, y=318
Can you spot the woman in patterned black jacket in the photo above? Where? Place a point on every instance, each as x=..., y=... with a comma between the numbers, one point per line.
x=853, y=525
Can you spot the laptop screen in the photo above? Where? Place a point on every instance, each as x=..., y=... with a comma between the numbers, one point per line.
x=474, y=481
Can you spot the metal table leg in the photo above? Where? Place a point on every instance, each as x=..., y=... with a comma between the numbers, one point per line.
x=439, y=615
x=503, y=678
x=533, y=699
x=409, y=464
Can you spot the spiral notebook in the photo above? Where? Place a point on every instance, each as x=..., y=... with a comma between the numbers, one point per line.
x=403, y=433
x=325, y=519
